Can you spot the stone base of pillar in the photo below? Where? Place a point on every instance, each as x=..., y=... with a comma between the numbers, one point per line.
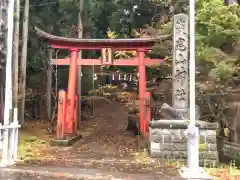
x=169, y=143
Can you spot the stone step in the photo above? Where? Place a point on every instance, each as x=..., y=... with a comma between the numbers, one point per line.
x=210, y=155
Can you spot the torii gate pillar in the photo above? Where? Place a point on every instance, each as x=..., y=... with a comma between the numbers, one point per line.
x=67, y=106
x=142, y=89
x=70, y=104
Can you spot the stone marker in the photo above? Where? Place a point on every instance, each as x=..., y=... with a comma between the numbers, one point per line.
x=180, y=77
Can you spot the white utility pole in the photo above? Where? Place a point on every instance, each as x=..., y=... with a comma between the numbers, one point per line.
x=193, y=171
x=193, y=144
x=8, y=82
x=192, y=66
x=8, y=88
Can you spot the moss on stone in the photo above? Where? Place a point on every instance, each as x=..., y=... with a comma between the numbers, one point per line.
x=202, y=147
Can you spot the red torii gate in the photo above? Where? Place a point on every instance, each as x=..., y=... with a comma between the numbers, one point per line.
x=67, y=104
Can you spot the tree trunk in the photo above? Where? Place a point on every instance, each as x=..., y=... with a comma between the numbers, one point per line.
x=23, y=62
x=49, y=85
x=16, y=54
x=3, y=36
x=80, y=35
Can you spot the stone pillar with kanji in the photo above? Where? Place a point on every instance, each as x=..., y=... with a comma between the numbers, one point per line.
x=180, y=65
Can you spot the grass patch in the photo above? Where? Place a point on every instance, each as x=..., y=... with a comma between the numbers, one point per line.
x=30, y=146
x=142, y=157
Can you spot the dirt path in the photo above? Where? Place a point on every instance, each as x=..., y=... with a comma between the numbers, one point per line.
x=105, y=133
x=104, y=136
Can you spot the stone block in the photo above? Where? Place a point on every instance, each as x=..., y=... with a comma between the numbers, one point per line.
x=180, y=124
x=184, y=154
x=177, y=136
x=208, y=139
x=208, y=155
x=163, y=136
x=232, y=156
x=231, y=150
x=173, y=147
x=178, y=155
x=212, y=147
x=66, y=142
x=231, y=143
x=202, y=162
x=206, y=132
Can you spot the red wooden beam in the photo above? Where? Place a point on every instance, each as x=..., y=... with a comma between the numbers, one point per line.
x=121, y=44
x=116, y=62
x=120, y=47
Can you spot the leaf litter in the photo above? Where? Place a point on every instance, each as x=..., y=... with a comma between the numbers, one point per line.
x=105, y=145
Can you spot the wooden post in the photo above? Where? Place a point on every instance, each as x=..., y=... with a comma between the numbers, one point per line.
x=180, y=64
x=61, y=114
x=22, y=83
x=49, y=85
